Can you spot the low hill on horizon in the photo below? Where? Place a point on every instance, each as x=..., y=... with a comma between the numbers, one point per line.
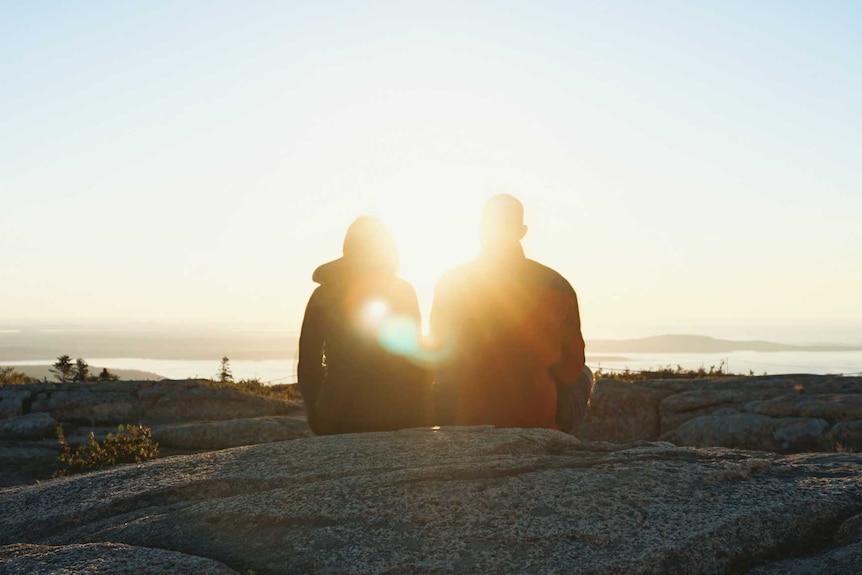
x=172, y=344
x=32, y=344
x=685, y=343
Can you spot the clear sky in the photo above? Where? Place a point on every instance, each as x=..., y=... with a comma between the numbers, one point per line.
x=683, y=164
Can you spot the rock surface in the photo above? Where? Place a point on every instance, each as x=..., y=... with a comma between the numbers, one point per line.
x=223, y=434
x=103, y=558
x=463, y=500
x=788, y=414
x=12, y=399
x=149, y=402
x=185, y=415
x=30, y=426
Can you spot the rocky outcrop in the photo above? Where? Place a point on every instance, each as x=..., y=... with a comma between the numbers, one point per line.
x=30, y=426
x=186, y=416
x=148, y=402
x=462, y=500
x=96, y=558
x=787, y=414
x=730, y=428
x=25, y=461
x=12, y=398
x=223, y=434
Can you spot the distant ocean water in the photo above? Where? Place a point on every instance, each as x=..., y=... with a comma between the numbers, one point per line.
x=284, y=370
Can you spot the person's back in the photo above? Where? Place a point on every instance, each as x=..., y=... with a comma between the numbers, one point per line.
x=510, y=332
x=352, y=372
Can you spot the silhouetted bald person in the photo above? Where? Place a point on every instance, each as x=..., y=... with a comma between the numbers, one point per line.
x=509, y=331
x=502, y=224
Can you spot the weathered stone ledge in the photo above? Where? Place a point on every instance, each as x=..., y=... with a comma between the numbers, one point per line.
x=185, y=416
x=786, y=414
x=458, y=500
x=149, y=402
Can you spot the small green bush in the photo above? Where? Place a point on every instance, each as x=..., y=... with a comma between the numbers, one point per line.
x=131, y=444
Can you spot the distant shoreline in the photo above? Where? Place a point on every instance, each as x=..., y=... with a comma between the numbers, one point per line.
x=703, y=344
x=27, y=346
x=41, y=371
x=284, y=370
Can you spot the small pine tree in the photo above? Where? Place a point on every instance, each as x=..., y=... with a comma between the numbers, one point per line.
x=224, y=373
x=62, y=369
x=106, y=375
x=81, y=371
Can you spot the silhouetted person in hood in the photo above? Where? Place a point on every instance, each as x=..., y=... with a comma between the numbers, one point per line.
x=360, y=337
x=509, y=332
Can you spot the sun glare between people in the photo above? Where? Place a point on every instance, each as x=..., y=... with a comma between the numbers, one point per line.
x=428, y=248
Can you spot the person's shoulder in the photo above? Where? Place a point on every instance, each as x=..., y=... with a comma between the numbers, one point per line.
x=400, y=293
x=548, y=276
x=319, y=299
x=402, y=285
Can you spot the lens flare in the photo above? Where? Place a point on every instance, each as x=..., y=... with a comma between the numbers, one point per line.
x=373, y=314
x=397, y=334
x=400, y=335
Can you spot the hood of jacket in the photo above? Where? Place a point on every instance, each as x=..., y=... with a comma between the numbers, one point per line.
x=343, y=269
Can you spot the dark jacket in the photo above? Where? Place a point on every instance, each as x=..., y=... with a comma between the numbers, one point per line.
x=355, y=368
x=509, y=330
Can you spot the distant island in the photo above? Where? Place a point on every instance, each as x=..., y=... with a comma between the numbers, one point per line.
x=157, y=343
x=700, y=344
x=25, y=345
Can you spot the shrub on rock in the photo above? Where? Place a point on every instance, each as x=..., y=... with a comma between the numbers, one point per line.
x=131, y=444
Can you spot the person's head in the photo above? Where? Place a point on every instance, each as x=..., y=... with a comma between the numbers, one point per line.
x=368, y=241
x=502, y=221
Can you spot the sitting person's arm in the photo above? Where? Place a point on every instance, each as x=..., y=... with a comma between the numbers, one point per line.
x=572, y=358
x=574, y=380
x=310, y=370
x=446, y=389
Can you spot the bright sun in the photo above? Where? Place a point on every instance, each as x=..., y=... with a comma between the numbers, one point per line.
x=430, y=240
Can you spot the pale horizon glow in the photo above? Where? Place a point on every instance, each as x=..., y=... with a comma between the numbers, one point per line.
x=687, y=166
